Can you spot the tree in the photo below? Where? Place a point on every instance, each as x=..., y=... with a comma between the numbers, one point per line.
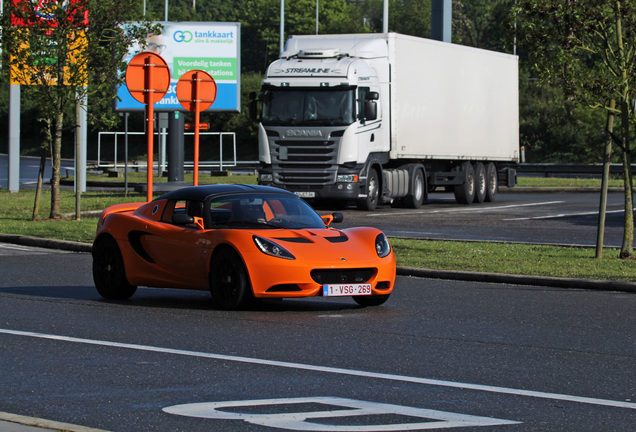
x=65, y=60
x=587, y=47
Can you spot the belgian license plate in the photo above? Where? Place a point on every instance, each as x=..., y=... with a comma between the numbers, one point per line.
x=340, y=290
x=306, y=194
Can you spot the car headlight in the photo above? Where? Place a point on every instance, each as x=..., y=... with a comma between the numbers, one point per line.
x=270, y=248
x=382, y=245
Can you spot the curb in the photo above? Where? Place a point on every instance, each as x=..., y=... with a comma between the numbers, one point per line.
x=46, y=425
x=46, y=243
x=555, y=282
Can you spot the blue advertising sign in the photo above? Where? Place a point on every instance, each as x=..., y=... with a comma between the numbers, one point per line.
x=210, y=46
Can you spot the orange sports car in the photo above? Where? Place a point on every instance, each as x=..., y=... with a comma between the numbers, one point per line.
x=239, y=242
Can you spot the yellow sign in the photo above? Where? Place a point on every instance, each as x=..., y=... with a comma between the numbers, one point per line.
x=43, y=67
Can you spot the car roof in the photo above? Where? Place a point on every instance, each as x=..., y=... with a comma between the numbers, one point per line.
x=200, y=193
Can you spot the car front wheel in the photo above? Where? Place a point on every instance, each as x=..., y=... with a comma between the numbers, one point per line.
x=229, y=283
x=372, y=300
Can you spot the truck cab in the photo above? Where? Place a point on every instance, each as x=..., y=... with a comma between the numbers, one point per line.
x=320, y=119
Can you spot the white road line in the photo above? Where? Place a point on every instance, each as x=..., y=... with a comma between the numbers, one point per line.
x=14, y=247
x=470, y=209
x=331, y=370
x=562, y=215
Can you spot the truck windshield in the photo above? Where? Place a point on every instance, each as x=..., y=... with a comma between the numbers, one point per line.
x=323, y=106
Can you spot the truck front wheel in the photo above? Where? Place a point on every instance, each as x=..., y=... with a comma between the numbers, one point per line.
x=465, y=193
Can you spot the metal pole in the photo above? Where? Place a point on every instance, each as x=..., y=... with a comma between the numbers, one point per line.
x=126, y=153
x=197, y=99
x=282, y=26
x=14, y=138
x=317, y=16
x=385, y=17
x=78, y=161
x=165, y=14
x=150, y=112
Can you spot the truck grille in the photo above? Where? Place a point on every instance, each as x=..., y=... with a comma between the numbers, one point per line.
x=304, y=162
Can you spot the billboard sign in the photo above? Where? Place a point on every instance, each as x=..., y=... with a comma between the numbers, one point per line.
x=34, y=60
x=213, y=47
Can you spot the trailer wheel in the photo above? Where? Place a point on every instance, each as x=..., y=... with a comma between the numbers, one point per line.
x=373, y=192
x=480, y=182
x=418, y=188
x=465, y=193
x=492, y=182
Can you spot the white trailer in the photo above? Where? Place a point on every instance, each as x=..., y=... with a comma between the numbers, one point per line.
x=388, y=118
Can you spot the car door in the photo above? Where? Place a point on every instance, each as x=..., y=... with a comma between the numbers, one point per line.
x=180, y=251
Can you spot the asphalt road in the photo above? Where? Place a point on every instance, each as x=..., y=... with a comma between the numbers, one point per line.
x=552, y=218
x=438, y=354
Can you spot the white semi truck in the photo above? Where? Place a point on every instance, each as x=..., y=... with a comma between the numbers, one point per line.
x=388, y=118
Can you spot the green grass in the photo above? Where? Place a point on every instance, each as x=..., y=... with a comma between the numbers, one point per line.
x=523, y=259
x=565, y=182
x=539, y=260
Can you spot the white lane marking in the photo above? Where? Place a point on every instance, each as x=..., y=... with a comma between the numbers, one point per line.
x=8, y=249
x=298, y=420
x=475, y=209
x=562, y=215
x=14, y=247
x=332, y=370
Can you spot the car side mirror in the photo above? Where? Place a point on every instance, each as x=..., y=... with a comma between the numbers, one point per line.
x=335, y=217
x=182, y=219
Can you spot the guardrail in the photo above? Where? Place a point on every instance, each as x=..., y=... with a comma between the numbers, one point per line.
x=567, y=170
x=116, y=164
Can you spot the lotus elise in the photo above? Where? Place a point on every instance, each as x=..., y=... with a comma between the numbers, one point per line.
x=240, y=242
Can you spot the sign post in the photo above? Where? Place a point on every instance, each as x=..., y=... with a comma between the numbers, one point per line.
x=148, y=80
x=196, y=91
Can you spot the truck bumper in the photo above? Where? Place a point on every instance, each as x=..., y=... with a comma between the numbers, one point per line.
x=338, y=191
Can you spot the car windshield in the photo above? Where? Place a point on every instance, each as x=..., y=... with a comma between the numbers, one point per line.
x=262, y=211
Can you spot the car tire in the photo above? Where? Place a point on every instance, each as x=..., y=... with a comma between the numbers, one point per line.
x=372, y=300
x=229, y=281
x=109, y=274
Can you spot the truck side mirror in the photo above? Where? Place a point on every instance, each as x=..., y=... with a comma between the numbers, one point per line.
x=371, y=106
x=370, y=110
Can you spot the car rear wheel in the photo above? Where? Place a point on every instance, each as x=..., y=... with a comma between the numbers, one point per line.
x=372, y=300
x=229, y=283
x=109, y=274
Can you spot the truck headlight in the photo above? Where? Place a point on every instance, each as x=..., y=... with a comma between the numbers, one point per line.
x=347, y=178
x=267, y=177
